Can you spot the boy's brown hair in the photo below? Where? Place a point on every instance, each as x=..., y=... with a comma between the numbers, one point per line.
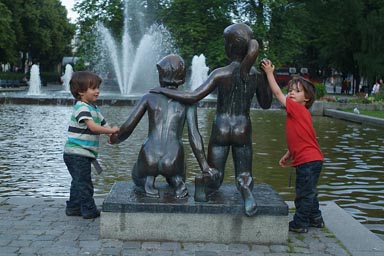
x=82, y=80
x=308, y=87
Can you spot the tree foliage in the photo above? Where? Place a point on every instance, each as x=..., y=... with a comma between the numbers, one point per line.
x=198, y=28
x=325, y=35
x=37, y=27
x=7, y=36
x=341, y=35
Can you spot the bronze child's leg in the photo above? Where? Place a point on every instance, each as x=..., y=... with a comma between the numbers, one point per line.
x=245, y=185
x=149, y=187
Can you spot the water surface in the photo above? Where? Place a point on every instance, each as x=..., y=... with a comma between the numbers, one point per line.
x=32, y=139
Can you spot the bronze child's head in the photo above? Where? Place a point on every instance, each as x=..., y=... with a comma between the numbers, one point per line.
x=171, y=70
x=237, y=38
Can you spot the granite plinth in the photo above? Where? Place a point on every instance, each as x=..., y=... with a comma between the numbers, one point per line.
x=128, y=214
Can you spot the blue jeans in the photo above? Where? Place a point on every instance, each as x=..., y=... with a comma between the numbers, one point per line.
x=306, y=202
x=81, y=192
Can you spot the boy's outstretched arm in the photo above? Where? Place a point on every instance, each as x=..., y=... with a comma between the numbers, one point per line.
x=269, y=68
x=100, y=129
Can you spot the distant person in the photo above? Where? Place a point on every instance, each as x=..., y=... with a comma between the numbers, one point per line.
x=344, y=87
x=163, y=152
x=236, y=84
x=333, y=84
x=85, y=126
x=375, y=88
x=303, y=148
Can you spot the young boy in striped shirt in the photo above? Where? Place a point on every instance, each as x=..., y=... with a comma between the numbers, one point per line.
x=85, y=126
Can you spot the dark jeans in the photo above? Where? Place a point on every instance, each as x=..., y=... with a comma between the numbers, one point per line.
x=81, y=192
x=306, y=202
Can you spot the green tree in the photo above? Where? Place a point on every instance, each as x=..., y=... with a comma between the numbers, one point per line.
x=369, y=58
x=198, y=27
x=289, y=34
x=257, y=14
x=342, y=35
x=42, y=30
x=7, y=36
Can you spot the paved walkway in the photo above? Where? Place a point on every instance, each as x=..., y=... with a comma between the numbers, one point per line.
x=39, y=226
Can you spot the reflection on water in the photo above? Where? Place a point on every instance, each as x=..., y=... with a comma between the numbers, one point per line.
x=32, y=139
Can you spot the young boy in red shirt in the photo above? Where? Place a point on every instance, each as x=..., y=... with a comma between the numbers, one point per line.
x=303, y=148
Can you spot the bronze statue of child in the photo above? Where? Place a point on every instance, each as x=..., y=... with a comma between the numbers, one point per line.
x=163, y=152
x=236, y=85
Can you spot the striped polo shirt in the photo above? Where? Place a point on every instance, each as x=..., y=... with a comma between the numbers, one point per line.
x=82, y=141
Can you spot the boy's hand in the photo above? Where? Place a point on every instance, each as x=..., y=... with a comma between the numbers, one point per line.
x=115, y=129
x=267, y=66
x=284, y=160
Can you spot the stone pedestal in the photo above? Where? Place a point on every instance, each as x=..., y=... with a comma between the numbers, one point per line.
x=128, y=215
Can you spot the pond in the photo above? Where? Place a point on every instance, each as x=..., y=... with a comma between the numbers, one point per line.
x=32, y=139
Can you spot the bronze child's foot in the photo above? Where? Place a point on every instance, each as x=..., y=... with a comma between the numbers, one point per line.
x=149, y=187
x=250, y=206
x=245, y=183
x=181, y=190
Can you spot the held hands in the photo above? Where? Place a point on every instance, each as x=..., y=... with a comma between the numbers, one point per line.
x=113, y=136
x=213, y=173
x=115, y=129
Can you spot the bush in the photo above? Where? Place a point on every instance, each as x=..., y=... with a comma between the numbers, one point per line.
x=320, y=90
x=11, y=76
x=80, y=65
x=379, y=97
x=50, y=77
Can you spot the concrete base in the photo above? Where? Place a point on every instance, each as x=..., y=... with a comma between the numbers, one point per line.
x=129, y=215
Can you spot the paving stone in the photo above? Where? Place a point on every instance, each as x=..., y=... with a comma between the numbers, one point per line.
x=24, y=233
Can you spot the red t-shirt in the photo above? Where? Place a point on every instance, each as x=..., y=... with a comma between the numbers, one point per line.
x=300, y=134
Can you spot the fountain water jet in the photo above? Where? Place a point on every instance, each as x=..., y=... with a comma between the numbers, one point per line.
x=199, y=71
x=67, y=77
x=135, y=70
x=34, y=81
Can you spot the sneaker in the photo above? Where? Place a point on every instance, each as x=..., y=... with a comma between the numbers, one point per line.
x=295, y=228
x=72, y=212
x=92, y=215
x=317, y=222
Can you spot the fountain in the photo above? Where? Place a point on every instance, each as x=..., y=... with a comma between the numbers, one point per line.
x=67, y=77
x=199, y=71
x=135, y=67
x=34, y=81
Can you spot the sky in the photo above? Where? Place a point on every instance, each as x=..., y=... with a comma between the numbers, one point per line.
x=69, y=5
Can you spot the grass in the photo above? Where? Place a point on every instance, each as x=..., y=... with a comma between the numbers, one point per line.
x=373, y=113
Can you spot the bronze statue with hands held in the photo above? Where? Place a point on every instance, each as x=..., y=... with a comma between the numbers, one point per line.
x=163, y=152
x=236, y=84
